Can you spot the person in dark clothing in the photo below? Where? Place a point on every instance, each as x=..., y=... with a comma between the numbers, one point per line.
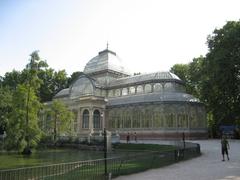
x=128, y=138
x=183, y=138
x=225, y=147
x=135, y=136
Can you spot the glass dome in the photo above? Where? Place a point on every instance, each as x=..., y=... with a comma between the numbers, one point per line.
x=106, y=60
x=83, y=86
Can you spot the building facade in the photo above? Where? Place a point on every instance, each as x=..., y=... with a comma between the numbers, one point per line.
x=154, y=105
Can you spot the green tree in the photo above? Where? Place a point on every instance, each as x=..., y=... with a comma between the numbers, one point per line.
x=61, y=119
x=1, y=81
x=47, y=88
x=182, y=71
x=221, y=87
x=196, y=76
x=5, y=107
x=22, y=130
x=12, y=79
x=191, y=74
x=60, y=80
x=32, y=83
x=53, y=82
x=20, y=133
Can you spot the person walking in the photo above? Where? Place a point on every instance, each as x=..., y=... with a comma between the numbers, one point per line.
x=225, y=147
x=183, y=138
x=128, y=138
x=135, y=137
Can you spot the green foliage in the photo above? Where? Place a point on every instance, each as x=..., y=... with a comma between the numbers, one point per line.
x=5, y=107
x=21, y=94
x=12, y=79
x=60, y=80
x=144, y=147
x=47, y=89
x=48, y=81
x=53, y=82
x=61, y=118
x=196, y=76
x=215, y=79
x=22, y=127
x=182, y=71
x=18, y=131
x=191, y=74
x=212, y=125
x=222, y=87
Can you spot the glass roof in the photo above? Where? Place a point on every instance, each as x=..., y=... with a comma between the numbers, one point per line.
x=63, y=92
x=129, y=80
x=152, y=97
x=105, y=60
x=145, y=77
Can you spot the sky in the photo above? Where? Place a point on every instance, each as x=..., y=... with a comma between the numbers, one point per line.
x=148, y=35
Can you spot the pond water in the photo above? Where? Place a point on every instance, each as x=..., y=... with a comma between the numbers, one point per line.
x=51, y=156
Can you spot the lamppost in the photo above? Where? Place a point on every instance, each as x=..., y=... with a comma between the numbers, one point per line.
x=105, y=152
x=105, y=145
x=105, y=148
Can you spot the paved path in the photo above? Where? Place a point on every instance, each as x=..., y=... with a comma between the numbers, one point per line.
x=209, y=166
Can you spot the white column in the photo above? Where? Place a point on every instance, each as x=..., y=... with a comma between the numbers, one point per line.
x=91, y=120
x=79, y=121
x=102, y=119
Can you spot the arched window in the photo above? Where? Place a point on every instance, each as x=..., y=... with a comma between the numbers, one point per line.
x=110, y=93
x=157, y=87
x=117, y=92
x=148, y=88
x=85, y=123
x=124, y=91
x=132, y=90
x=139, y=89
x=96, y=119
x=168, y=87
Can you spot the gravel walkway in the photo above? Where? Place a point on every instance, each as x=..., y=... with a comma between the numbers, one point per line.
x=209, y=166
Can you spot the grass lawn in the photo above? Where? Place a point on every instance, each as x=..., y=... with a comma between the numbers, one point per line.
x=144, y=147
x=46, y=157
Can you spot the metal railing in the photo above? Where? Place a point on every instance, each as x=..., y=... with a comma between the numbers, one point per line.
x=95, y=169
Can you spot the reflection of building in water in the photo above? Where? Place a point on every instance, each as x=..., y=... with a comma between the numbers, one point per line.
x=153, y=105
